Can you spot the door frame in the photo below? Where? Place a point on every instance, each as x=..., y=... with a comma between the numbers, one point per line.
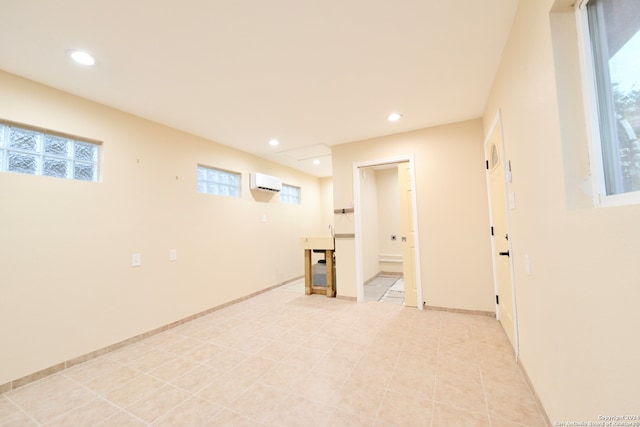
x=497, y=125
x=357, y=214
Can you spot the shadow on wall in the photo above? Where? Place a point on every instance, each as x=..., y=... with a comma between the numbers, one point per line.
x=261, y=196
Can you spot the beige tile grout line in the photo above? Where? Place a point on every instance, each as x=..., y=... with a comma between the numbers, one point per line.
x=78, y=360
x=544, y=414
x=435, y=379
x=192, y=395
x=59, y=367
x=28, y=415
x=99, y=396
x=393, y=371
x=484, y=389
x=278, y=363
x=165, y=383
x=532, y=390
x=475, y=349
x=121, y=409
x=435, y=376
x=523, y=372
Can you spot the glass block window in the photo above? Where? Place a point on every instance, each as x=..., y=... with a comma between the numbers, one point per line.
x=35, y=152
x=290, y=194
x=217, y=181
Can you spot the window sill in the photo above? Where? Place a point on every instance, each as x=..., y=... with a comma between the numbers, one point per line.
x=623, y=199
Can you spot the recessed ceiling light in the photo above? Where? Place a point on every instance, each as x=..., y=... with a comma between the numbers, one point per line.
x=316, y=162
x=81, y=57
x=394, y=117
x=274, y=142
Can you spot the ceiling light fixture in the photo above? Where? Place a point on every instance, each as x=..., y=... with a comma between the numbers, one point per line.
x=81, y=57
x=316, y=162
x=274, y=142
x=394, y=117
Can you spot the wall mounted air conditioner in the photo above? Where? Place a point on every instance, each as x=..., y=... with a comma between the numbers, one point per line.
x=263, y=182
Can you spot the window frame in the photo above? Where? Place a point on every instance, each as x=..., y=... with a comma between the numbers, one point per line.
x=298, y=195
x=592, y=116
x=218, y=170
x=42, y=133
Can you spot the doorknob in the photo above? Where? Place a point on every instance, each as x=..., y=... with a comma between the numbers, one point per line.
x=504, y=253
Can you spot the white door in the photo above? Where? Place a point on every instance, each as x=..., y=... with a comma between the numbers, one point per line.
x=408, y=241
x=501, y=246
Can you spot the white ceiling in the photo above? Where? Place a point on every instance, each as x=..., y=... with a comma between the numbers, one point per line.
x=311, y=73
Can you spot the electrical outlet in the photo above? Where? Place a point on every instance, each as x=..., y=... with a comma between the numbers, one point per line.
x=173, y=255
x=136, y=260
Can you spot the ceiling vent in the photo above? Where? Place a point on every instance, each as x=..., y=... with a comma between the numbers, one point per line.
x=263, y=182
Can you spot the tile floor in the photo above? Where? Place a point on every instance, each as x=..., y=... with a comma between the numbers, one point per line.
x=382, y=289
x=286, y=359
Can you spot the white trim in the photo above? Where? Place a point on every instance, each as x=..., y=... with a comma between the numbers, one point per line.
x=357, y=203
x=390, y=258
x=497, y=123
x=357, y=220
x=621, y=199
x=592, y=119
x=491, y=238
x=588, y=80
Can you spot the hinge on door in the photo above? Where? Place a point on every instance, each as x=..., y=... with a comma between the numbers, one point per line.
x=492, y=231
x=497, y=300
x=486, y=162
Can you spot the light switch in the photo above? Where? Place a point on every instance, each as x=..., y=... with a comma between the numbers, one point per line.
x=136, y=260
x=173, y=255
x=264, y=217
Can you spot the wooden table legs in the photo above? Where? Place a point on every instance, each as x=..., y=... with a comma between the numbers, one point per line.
x=328, y=290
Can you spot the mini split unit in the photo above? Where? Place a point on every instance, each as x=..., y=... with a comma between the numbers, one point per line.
x=263, y=182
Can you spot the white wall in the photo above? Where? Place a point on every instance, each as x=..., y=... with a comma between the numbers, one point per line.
x=452, y=211
x=370, y=225
x=389, y=220
x=379, y=195
x=67, y=285
x=578, y=310
x=326, y=191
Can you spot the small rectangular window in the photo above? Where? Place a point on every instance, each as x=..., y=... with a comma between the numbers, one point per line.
x=613, y=53
x=217, y=181
x=39, y=152
x=290, y=194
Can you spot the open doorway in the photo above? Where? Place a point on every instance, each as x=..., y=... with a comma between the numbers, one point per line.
x=386, y=223
x=381, y=234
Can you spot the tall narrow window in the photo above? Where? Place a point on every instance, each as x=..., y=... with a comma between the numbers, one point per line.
x=217, y=181
x=36, y=152
x=614, y=38
x=495, y=158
